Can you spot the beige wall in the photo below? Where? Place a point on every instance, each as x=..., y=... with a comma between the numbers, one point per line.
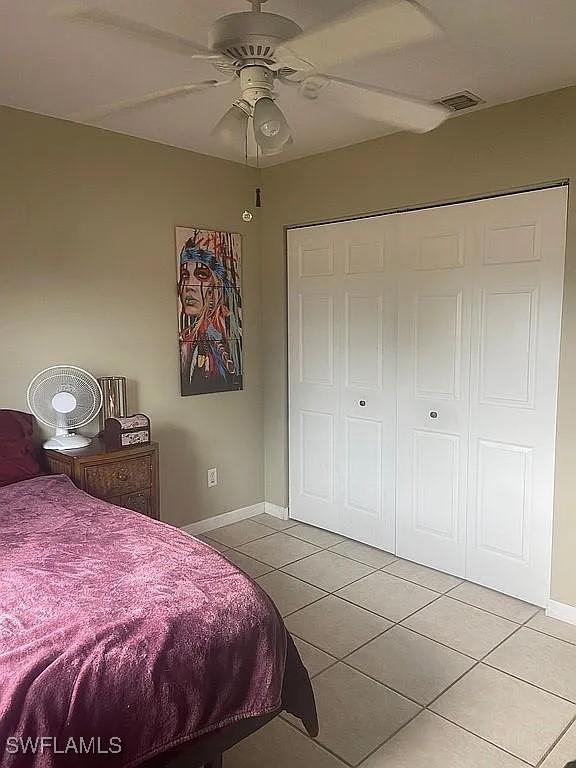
x=521, y=144
x=88, y=277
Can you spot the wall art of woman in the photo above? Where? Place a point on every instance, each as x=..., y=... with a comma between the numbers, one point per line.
x=209, y=311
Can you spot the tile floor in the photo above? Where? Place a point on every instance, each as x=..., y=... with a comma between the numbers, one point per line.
x=411, y=668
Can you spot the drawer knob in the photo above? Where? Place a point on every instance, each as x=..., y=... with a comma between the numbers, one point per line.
x=121, y=475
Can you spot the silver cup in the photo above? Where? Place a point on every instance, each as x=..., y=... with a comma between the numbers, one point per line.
x=113, y=398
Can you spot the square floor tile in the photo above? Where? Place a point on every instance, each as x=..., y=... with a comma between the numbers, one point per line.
x=560, y=629
x=253, y=568
x=431, y=742
x=425, y=577
x=388, y=596
x=317, y=536
x=289, y=594
x=274, y=522
x=314, y=659
x=239, y=533
x=377, y=558
x=508, y=607
x=564, y=751
x=335, y=626
x=509, y=713
x=211, y=543
x=463, y=627
x=539, y=659
x=357, y=714
x=328, y=571
x=419, y=668
x=278, y=550
x=281, y=746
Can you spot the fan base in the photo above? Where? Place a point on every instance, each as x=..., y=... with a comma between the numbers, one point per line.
x=249, y=37
x=67, y=442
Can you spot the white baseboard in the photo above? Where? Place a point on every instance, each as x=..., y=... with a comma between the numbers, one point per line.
x=561, y=611
x=219, y=521
x=275, y=510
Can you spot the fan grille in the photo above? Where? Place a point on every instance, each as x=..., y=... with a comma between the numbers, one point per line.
x=64, y=379
x=248, y=51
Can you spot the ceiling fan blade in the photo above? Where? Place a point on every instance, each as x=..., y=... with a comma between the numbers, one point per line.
x=157, y=97
x=382, y=106
x=376, y=28
x=135, y=29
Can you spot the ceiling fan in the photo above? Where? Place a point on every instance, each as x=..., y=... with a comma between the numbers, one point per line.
x=260, y=49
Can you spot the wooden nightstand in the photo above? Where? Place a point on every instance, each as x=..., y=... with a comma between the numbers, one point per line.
x=127, y=477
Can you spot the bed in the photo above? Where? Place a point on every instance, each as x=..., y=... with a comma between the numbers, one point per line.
x=129, y=632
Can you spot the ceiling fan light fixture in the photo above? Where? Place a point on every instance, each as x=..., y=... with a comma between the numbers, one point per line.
x=271, y=152
x=258, y=49
x=232, y=127
x=270, y=126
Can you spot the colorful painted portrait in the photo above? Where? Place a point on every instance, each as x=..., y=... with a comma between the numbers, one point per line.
x=209, y=310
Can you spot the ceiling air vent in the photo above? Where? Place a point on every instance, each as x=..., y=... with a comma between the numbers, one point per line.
x=463, y=100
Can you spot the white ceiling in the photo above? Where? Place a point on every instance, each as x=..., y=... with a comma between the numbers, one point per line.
x=500, y=49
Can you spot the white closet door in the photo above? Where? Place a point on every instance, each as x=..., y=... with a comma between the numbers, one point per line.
x=518, y=286
x=368, y=385
x=434, y=247
x=478, y=346
x=314, y=376
x=451, y=410
x=342, y=319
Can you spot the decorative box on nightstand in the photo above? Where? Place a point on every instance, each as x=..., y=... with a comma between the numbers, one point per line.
x=127, y=477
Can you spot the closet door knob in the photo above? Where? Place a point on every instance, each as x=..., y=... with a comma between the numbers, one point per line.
x=433, y=414
x=362, y=403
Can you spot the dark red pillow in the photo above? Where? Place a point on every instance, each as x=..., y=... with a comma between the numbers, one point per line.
x=18, y=455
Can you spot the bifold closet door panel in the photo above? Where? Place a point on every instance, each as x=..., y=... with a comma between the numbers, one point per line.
x=342, y=379
x=434, y=316
x=367, y=427
x=314, y=351
x=518, y=287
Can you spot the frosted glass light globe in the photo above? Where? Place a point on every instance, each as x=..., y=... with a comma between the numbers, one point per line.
x=270, y=127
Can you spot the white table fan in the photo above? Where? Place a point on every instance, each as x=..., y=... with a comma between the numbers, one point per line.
x=65, y=398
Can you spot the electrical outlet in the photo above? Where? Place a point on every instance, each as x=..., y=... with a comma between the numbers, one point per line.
x=212, y=477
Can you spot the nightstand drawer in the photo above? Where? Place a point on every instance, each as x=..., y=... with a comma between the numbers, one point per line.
x=117, y=478
x=140, y=501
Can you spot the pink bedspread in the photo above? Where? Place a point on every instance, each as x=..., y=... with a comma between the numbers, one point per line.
x=123, y=630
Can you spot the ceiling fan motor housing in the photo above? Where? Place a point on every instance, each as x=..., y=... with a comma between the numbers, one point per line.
x=256, y=82
x=252, y=37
